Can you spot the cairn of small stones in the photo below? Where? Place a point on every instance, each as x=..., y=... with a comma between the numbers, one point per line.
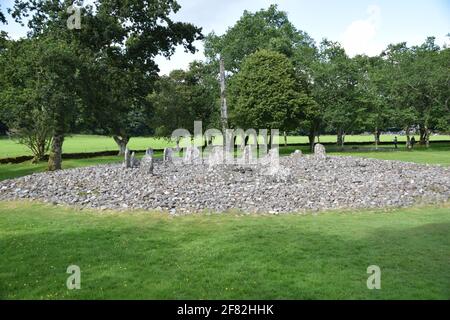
x=190, y=184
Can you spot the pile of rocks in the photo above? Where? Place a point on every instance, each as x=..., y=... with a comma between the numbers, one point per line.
x=301, y=183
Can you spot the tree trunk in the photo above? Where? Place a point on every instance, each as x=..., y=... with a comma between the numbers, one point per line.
x=178, y=144
x=408, y=138
x=285, y=139
x=423, y=133
x=223, y=99
x=427, y=137
x=311, y=138
x=122, y=142
x=55, y=157
x=340, y=137
x=377, y=134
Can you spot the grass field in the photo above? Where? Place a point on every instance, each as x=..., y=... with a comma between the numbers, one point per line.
x=154, y=256
x=436, y=154
x=136, y=255
x=89, y=143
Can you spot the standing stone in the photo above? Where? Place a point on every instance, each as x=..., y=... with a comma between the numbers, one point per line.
x=247, y=155
x=168, y=155
x=297, y=154
x=273, y=161
x=191, y=155
x=134, y=162
x=127, y=163
x=216, y=156
x=147, y=162
x=319, y=151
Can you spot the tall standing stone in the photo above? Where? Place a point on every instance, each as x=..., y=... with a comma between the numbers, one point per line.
x=191, y=155
x=168, y=155
x=247, y=155
x=147, y=162
x=319, y=151
x=127, y=163
x=216, y=156
x=134, y=161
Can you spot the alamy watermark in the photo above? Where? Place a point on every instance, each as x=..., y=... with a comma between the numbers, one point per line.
x=74, y=20
x=251, y=147
x=74, y=280
x=374, y=280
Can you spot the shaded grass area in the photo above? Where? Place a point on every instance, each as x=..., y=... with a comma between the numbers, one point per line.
x=154, y=256
x=10, y=171
x=93, y=143
x=436, y=154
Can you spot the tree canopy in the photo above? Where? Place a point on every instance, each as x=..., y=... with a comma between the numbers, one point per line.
x=265, y=93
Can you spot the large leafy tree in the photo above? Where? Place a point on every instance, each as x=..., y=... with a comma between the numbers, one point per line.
x=266, y=29
x=184, y=97
x=40, y=80
x=334, y=88
x=373, y=91
x=420, y=82
x=124, y=38
x=266, y=94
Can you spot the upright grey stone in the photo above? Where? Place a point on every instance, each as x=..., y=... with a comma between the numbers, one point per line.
x=127, y=163
x=247, y=155
x=191, y=155
x=216, y=156
x=147, y=162
x=297, y=154
x=168, y=155
x=319, y=151
x=133, y=161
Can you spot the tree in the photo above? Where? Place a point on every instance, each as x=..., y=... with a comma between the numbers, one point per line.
x=334, y=87
x=40, y=79
x=374, y=92
x=420, y=81
x=184, y=97
x=124, y=40
x=266, y=29
x=266, y=94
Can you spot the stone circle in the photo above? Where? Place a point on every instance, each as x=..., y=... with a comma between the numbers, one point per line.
x=302, y=184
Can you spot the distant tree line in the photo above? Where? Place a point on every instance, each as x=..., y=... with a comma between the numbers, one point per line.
x=103, y=79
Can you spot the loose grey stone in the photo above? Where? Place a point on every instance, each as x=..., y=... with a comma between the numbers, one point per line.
x=300, y=184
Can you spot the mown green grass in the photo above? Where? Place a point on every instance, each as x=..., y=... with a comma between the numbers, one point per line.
x=154, y=256
x=92, y=143
x=436, y=154
x=10, y=171
x=82, y=144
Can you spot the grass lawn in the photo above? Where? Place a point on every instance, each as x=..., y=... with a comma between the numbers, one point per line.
x=91, y=143
x=154, y=256
x=436, y=154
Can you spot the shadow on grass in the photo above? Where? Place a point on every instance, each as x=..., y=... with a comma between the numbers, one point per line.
x=226, y=258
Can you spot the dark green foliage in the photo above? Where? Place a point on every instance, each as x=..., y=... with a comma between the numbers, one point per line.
x=184, y=97
x=266, y=29
x=266, y=94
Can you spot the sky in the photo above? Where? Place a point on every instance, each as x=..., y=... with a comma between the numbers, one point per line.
x=361, y=26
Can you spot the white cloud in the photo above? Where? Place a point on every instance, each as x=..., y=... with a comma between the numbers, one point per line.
x=361, y=35
x=180, y=59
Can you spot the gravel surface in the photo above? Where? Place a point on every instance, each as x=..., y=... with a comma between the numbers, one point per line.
x=303, y=184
